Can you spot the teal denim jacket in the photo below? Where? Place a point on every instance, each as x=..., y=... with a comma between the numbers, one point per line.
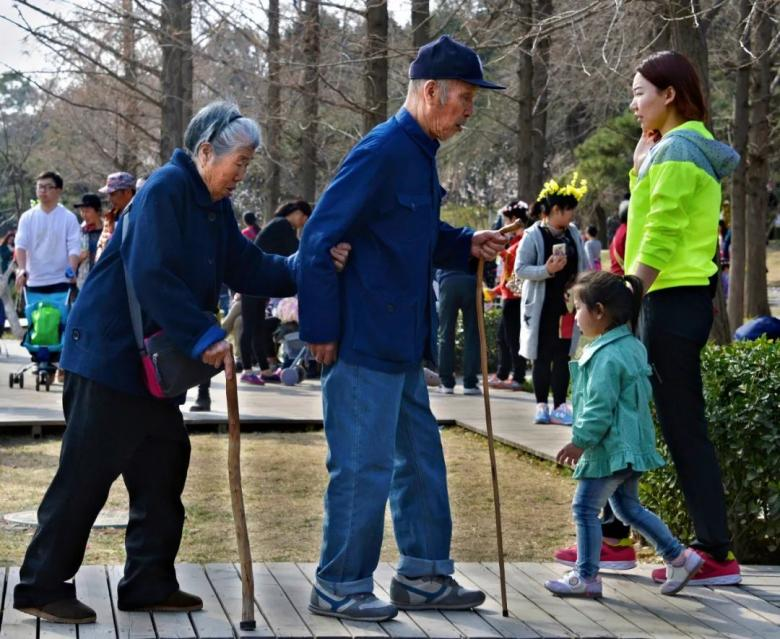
x=612, y=420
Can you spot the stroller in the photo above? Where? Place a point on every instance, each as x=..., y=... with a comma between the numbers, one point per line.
x=295, y=354
x=46, y=315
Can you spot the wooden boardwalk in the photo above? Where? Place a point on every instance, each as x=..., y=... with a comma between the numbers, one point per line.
x=632, y=607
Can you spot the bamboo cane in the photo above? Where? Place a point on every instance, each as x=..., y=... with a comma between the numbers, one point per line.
x=511, y=228
x=237, y=501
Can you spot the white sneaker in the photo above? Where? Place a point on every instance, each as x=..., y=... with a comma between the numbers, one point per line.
x=678, y=576
x=473, y=390
x=446, y=390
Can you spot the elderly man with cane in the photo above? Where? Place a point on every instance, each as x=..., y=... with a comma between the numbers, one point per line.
x=371, y=327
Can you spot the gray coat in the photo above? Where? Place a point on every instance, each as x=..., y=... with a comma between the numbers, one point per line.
x=530, y=267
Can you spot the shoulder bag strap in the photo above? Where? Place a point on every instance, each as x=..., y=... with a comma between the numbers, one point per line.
x=132, y=299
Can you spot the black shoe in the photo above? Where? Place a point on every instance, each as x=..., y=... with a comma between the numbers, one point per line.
x=178, y=601
x=62, y=611
x=239, y=366
x=203, y=403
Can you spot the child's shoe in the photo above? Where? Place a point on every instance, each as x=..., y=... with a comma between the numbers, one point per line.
x=572, y=585
x=562, y=415
x=542, y=414
x=680, y=571
x=252, y=378
x=711, y=573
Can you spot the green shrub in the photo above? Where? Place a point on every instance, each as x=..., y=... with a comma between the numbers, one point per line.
x=742, y=394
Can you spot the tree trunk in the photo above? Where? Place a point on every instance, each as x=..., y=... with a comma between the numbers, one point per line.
x=525, y=106
x=759, y=145
x=375, y=81
x=274, y=106
x=420, y=23
x=176, y=74
x=128, y=158
x=311, y=47
x=689, y=37
x=541, y=63
x=736, y=302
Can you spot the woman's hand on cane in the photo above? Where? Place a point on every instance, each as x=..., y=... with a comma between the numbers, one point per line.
x=220, y=354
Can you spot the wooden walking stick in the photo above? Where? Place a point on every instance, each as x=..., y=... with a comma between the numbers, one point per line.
x=237, y=501
x=511, y=228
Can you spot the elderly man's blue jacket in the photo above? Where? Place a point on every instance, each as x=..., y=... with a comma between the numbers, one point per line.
x=180, y=247
x=385, y=202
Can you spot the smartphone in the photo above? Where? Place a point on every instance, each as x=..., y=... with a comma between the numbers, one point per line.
x=559, y=250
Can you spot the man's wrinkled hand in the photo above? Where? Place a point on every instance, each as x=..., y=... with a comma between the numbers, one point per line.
x=485, y=245
x=340, y=254
x=324, y=354
x=220, y=354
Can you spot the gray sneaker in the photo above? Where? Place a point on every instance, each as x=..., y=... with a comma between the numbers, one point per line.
x=441, y=592
x=363, y=606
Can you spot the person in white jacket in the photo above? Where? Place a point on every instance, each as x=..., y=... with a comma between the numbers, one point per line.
x=550, y=256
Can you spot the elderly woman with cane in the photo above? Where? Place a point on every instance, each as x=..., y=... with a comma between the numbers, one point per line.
x=173, y=249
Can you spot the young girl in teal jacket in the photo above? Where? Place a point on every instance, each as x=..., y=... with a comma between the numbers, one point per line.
x=613, y=437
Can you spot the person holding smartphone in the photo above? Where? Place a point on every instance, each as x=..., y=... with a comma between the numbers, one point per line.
x=548, y=260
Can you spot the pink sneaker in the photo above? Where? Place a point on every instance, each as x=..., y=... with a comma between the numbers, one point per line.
x=679, y=575
x=621, y=557
x=252, y=378
x=711, y=573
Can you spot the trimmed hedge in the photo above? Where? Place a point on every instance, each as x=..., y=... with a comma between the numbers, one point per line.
x=742, y=394
x=492, y=320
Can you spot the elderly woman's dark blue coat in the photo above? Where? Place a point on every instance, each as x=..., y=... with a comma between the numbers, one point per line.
x=180, y=247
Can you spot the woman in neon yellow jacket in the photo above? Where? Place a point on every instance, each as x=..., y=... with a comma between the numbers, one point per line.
x=671, y=241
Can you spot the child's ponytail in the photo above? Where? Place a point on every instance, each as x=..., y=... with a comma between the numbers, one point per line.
x=637, y=292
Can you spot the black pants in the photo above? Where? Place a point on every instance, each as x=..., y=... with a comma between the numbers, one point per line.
x=107, y=434
x=509, y=357
x=551, y=367
x=675, y=326
x=253, y=336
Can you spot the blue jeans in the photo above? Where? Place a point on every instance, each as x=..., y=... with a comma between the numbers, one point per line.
x=383, y=441
x=622, y=492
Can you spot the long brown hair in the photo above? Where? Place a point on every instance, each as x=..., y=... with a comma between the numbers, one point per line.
x=671, y=69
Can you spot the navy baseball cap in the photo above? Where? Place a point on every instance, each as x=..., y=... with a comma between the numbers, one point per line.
x=446, y=59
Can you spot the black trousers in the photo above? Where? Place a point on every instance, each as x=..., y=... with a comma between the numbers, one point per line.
x=675, y=326
x=509, y=358
x=253, y=334
x=551, y=367
x=107, y=434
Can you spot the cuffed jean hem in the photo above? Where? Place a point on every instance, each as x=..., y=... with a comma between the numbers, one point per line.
x=344, y=588
x=414, y=567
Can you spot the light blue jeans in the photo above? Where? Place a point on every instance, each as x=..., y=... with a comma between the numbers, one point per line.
x=383, y=441
x=622, y=492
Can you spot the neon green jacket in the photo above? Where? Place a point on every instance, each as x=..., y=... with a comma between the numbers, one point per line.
x=675, y=206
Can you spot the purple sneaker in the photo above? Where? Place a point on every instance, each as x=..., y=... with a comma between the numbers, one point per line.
x=252, y=378
x=572, y=585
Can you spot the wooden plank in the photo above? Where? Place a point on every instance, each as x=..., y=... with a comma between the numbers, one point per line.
x=129, y=625
x=645, y=593
x=211, y=622
x=560, y=609
x=301, y=583
x=277, y=609
x=754, y=625
x=766, y=593
x=759, y=570
x=173, y=625
x=431, y=622
x=539, y=620
x=766, y=610
x=696, y=607
x=610, y=618
x=298, y=590
x=226, y=583
x=491, y=610
x=15, y=624
x=92, y=588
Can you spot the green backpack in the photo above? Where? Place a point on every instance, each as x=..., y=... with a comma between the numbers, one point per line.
x=46, y=325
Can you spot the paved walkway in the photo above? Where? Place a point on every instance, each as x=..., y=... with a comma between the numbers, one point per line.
x=275, y=404
x=631, y=607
